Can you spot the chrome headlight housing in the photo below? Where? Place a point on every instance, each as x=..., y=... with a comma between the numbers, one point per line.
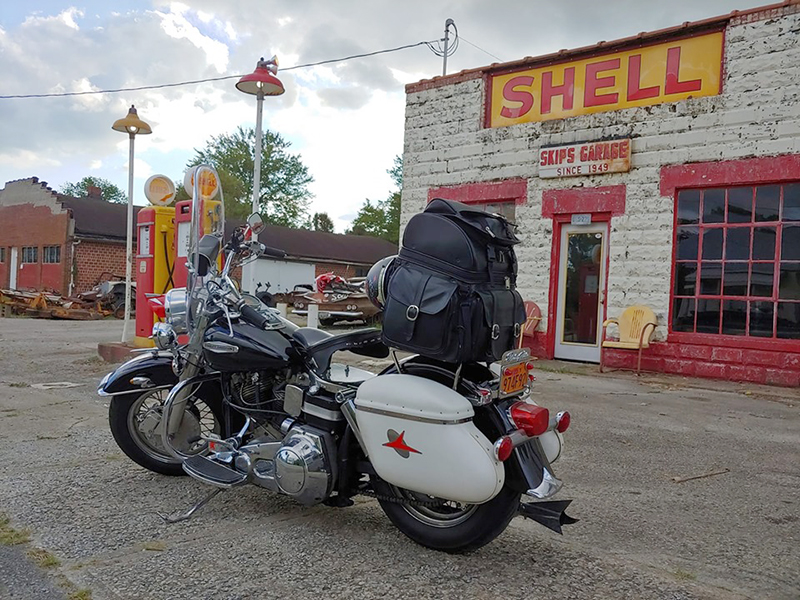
x=175, y=310
x=164, y=336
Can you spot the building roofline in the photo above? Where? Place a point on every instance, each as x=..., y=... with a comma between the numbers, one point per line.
x=640, y=39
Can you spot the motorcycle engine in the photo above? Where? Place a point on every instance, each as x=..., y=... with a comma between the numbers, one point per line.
x=303, y=467
x=260, y=390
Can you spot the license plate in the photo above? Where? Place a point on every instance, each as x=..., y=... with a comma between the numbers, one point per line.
x=513, y=378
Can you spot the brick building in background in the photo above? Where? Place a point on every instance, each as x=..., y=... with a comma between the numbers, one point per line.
x=49, y=241
x=661, y=169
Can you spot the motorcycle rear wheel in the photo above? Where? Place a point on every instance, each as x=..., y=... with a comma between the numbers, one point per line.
x=128, y=414
x=450, y=527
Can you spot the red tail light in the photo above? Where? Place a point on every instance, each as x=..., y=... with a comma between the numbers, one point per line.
x=503, y=448
x=157, y=306
x=533, y=420
x=562, y=421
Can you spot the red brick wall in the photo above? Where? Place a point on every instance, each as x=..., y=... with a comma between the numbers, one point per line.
x=29, y=225
x=94, y=262
x=343, y=271
x=774, y=367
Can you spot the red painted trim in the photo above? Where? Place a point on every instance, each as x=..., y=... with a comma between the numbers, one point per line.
x=734, y=341
x=771, y=169
x=487, y=101
x=510, y=190
x=723, y=58
x=775, y=367
x=608, y=199
x=559, y=220
x=552, y=294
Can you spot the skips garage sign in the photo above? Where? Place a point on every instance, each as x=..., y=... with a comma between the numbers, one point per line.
x=590, y=158
x=644, y=76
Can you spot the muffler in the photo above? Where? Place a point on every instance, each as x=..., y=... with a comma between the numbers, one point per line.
x=549, y=513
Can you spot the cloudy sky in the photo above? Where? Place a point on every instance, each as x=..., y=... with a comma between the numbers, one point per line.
x=345, y=120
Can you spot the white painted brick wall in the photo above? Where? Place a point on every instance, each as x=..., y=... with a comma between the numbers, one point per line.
x=758, y=114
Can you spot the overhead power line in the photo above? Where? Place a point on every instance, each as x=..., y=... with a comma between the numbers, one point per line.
x=481, y=49
x=210, y=79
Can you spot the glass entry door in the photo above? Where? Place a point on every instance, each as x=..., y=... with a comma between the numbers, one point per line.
x=581, y=291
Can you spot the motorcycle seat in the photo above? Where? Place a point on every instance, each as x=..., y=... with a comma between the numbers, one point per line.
x=366, y=342
x=310, y=335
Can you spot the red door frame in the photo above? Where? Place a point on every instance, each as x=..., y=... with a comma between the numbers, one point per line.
x=602, y=203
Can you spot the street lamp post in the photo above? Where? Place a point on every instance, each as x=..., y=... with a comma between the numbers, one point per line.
x=131, y=125
x=261, y=82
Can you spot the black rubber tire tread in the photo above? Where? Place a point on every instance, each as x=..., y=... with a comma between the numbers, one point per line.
x=483, y=526
x=118, y=422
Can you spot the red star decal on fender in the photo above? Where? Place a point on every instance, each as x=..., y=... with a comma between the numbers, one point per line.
x=399, y=445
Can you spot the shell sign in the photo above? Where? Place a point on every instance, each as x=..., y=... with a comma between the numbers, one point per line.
x=665, y=72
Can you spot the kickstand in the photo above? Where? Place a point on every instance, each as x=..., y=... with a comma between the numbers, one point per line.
x=177, y=518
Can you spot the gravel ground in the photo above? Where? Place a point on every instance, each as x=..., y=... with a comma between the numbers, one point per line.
x=640, y=535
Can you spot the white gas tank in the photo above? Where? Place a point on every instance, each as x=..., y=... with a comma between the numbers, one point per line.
x=420, y=436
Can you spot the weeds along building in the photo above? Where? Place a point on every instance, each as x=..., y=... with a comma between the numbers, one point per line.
x=661, y=169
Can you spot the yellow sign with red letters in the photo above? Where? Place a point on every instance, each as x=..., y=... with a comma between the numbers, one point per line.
x=666, y=72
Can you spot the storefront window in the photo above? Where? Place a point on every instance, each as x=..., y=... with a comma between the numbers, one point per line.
x=737, y=261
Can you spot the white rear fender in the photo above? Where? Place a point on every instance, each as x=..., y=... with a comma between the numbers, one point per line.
x=420, y=436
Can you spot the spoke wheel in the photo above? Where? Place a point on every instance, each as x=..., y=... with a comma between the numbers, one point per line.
x=446, y=525
x=447, y=514
x=136, y=425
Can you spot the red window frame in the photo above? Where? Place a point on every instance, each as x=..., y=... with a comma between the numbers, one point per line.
x=780, y=170
x=490, y=192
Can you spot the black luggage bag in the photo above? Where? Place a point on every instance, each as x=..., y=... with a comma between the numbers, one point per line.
x=451, y=292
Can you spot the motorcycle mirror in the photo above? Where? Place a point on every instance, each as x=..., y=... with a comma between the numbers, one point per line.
x=255, y=223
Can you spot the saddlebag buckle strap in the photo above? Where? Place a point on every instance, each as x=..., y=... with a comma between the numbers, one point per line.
x=495, y=331
x=412, y=312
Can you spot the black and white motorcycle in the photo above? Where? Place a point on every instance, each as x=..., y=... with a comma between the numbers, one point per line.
x=448, y=450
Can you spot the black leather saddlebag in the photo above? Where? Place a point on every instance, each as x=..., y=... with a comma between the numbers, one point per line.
x=451, y=292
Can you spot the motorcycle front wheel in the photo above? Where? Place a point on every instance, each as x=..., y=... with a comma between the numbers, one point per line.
x=135, y=421
x=443, y=525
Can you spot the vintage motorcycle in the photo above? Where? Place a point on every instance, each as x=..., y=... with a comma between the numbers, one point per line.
x=447, y=450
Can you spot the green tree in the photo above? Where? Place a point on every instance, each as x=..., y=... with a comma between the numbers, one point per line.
x=382, y=219
x=322, y=222
x=111, y=193
x=284, y=196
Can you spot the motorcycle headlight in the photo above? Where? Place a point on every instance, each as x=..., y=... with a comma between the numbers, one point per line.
x=164, y=336
x=175, y=310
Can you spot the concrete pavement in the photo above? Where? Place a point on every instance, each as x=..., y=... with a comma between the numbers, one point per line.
x=641, y=535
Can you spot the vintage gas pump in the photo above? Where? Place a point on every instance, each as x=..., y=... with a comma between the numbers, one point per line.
x=210, y=208
x=183, y=221
x=155, y=252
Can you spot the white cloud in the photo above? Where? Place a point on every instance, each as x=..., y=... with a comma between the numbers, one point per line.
x=176, y=25
x=25, y=160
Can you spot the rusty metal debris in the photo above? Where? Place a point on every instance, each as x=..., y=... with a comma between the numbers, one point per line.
x=44, y=305
x=104, y=299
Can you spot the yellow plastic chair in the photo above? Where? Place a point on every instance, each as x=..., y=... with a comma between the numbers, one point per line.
x=636, y=327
